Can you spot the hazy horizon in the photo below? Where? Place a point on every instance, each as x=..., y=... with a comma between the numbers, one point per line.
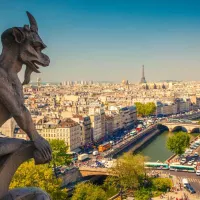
x=110, y=40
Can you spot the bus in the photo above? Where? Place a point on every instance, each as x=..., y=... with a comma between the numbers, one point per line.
x=184, y=168
x=156, y=165
x=104, y=147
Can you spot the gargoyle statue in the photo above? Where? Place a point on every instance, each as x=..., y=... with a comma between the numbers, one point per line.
x=21, y=45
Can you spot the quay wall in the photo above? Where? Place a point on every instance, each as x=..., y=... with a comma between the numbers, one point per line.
x=135, y=142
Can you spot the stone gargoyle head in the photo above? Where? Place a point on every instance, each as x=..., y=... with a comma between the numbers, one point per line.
x=26, y=43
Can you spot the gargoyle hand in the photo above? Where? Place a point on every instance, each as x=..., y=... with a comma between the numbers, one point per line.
x=44, y=149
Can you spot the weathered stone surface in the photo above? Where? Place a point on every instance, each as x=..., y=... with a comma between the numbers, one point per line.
x=21, y=46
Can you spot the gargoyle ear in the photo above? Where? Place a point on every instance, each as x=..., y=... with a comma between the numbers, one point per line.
x=18, y=35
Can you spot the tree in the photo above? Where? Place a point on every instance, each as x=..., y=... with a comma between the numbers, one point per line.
x=145, y=109
x=88, y=191
x=59, y=150
x=150, y=108
x=162, y=184
x=140, y=108
x=178, y=143
x=128, y=171
x=31, y=175
x=142, y=194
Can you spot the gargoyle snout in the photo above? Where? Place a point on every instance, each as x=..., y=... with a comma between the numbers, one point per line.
x=46, y=60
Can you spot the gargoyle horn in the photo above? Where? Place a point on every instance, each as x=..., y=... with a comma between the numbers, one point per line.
x=33, y=22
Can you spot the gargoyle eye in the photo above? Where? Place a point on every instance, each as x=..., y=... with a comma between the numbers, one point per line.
x=38, y=46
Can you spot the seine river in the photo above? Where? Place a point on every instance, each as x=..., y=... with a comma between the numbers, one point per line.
x=156, y=149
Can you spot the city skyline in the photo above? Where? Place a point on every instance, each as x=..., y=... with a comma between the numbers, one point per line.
x=106, y=41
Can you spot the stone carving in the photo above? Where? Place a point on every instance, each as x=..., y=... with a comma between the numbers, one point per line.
x=21, y=45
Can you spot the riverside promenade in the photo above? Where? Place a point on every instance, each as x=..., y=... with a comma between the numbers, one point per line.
x=135, y=142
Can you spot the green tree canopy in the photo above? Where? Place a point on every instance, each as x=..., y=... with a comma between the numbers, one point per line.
x=142, y=194
x=162, y=184
x=178, y=142
x=31, y=175
x=145, y=109
x=59, y=150
x=88, y=191
x=128, y=171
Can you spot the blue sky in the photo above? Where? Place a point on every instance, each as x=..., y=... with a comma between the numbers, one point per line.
x=112, y=39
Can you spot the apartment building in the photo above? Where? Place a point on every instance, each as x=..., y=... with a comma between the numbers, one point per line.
x=85, y=123
x=8, y=128
x=67, y=130
x=128, y=116
x=109, y=124
x=96, y=127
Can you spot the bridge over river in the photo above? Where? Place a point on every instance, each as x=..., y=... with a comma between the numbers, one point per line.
x=176, y=126
x=91, y=171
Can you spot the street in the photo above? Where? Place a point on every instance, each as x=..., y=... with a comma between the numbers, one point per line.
x=193, y=179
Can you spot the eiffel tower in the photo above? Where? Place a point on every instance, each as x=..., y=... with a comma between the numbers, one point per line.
x=143, y=80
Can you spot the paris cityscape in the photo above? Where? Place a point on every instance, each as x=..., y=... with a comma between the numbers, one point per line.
x=108, y=105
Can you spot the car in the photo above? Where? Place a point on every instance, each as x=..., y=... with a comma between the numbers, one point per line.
x=198, y=172
x=193, y=159
x=185, y=181
x=195, y=164
x=183, y=161
x=196, y=154
x=190, y=188
x=195, y=145
x=188, y=151
x=190, y=162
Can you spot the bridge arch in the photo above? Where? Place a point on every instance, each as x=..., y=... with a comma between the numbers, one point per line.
x=179, y=128
x=195, y=130
x=163, y=127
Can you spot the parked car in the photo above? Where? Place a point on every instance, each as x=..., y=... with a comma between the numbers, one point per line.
x=190, y=162
x=183, y=161
x=185, y=182
x=198, y=172
x=196, y=154
x=190, y=188
x=195, y=145
x=188, y=151
x=195, y=164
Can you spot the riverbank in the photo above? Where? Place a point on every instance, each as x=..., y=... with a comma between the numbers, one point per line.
x=155, y=149
x=132, y=142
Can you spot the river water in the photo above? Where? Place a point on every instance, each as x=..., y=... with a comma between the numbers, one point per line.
x=156, y=149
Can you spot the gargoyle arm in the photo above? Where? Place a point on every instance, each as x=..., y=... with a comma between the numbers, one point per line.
x=22, y=116
x=17, y=110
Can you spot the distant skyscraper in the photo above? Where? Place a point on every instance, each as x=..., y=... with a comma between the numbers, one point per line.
x=143, y=80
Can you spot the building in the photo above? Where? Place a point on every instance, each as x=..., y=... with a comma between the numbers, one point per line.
x=96, y=127
x=20, y=134
x=128, y=116
x=67, y=130
x=8, y=128
x=109, y=125
x=85, y=124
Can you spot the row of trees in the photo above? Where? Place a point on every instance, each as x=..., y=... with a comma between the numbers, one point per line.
x=145, y=109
